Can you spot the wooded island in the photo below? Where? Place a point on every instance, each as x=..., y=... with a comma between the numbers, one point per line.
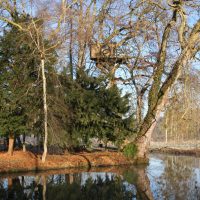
x=73, y=72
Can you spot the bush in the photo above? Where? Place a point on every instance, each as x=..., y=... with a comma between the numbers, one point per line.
x=130, y=150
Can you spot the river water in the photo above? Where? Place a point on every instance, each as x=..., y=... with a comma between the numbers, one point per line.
x=166, y=177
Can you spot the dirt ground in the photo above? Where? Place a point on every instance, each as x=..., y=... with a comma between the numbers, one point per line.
x=27, y=161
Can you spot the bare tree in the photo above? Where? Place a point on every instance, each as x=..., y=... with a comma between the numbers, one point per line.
x=162, y=43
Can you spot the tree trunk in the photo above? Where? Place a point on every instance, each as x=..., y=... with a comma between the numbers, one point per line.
x=45, y=111
x=143, y=145
x=44, y=187
x=24, y=148
x=71, y=178
x=71, y=49
x=166, y=130
x=143, y=140
x=143, y=185
x=10, y=183
x=67, y=179
x=11, y=144
x=24, y=145
x=139, y=108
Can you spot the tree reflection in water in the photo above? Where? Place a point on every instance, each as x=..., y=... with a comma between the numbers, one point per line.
x=180, y=178
x=68, y=186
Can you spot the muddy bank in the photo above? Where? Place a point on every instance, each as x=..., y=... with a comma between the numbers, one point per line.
x=191, y=152
x=27, y=161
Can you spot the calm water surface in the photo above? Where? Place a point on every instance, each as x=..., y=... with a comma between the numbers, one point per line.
x=166, y=177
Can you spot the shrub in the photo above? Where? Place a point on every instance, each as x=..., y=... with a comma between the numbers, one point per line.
x=130, y=150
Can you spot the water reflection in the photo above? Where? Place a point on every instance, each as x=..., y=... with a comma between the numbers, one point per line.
x=175, y=177
x=80, y=186
x=167, y=177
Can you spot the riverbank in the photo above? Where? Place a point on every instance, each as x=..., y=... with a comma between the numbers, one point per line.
x=27, y=161
x=176, y=151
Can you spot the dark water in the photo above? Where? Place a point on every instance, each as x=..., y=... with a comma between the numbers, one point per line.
x=166, y=177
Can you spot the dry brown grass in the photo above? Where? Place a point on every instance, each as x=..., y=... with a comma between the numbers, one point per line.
x=26, y=161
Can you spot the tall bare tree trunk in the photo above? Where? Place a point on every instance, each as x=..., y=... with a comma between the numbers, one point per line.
x=81, y=41
x=70, y=48
x=45, y=111
x=11, y=144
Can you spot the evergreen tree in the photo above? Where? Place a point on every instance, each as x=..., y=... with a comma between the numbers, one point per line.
x=16, y=62
x=20, y=82
x=92, y=110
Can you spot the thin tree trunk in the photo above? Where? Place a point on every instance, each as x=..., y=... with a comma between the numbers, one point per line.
x=11, y=144
x=24, y=145
x=45, y=111
x=139, y=108
x=166, y=130
x=67, y=179
x=23, y=182
x=10, y=183
x=70, y=49
x=172, y=136
x=44, y=188
x=81, y=41
x=71, y=178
